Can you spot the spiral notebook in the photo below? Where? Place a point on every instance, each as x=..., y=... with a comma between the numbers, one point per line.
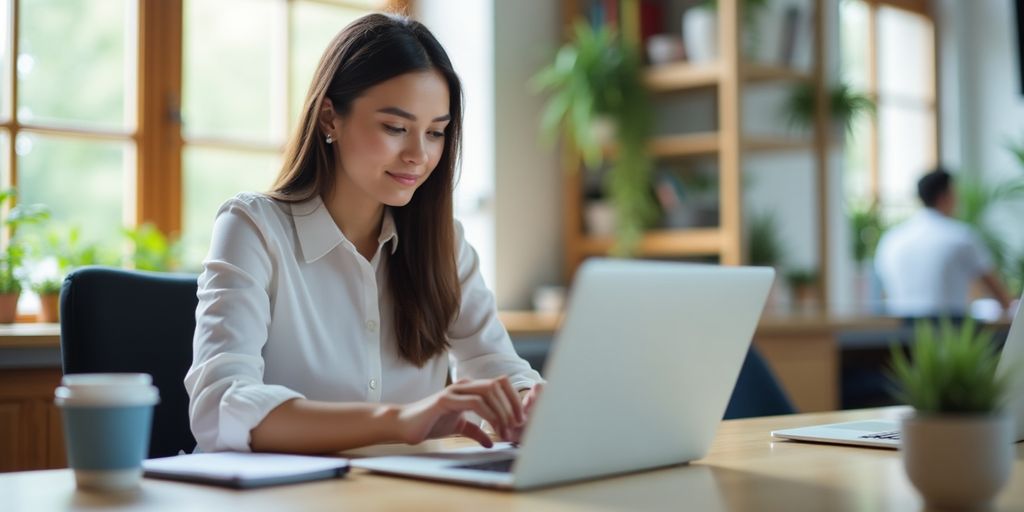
x=245, y=470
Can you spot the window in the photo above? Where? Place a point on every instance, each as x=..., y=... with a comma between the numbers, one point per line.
x=117, y=112
x=246, y=67
x=68, y=130
x=888, y=50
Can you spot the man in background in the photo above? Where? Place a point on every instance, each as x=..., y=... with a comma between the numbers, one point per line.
x=928, y=263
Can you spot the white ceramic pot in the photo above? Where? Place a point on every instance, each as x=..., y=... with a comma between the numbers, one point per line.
x=664, y=48
x=700, y=34
x=958, y=462
x=600, y=217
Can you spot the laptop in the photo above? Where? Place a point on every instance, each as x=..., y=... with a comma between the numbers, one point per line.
x=886, y=434
x=638, y=378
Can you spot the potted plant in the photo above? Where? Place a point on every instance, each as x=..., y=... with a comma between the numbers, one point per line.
x=803, y=285
x=597, y=95
x=765, y=249
x=152, y=250
x=763, y=241
x=975, y=200
x=845, y=106
x=866, y=228
x=957, y=445
x=12, y=258
x=49, y=299
x=55, y=253
x=700, y=29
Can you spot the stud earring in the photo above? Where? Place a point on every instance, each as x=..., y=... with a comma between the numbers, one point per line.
x=329, y=139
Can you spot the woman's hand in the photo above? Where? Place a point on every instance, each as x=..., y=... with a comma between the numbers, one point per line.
x=441, y=414
x=530, y=397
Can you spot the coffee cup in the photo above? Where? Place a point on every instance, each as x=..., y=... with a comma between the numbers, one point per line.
x=107, y=419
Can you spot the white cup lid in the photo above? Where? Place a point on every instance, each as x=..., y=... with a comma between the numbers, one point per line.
x=99, y=389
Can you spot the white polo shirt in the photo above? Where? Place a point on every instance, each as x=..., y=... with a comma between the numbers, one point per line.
x=927, y=265
x=288, y=308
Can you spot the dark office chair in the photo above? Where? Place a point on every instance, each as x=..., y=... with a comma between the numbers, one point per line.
x=114, y=320
x=757, y=393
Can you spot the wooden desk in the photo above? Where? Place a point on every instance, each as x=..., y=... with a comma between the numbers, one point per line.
x=745, y=470
x=30, y=430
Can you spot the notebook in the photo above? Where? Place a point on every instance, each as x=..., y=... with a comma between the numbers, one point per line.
x=886, y=434
x=244, y=470
x=638, y=378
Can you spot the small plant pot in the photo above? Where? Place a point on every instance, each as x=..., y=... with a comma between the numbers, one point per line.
x=8, y=307
x=49, y=308
x=958, y=462
x=805, y=298
x=600, y=218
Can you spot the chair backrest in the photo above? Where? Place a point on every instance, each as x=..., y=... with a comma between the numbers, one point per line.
x=757, y=393
x=114, y=320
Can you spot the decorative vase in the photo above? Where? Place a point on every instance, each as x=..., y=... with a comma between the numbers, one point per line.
x=8, y=307
x=600, y=218
x=958, y=461
x=700, y=34
x=49, y=308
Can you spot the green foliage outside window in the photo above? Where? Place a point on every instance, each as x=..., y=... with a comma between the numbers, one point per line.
x=12, y=259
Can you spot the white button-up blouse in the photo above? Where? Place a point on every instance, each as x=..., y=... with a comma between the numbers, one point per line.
x=289, y=309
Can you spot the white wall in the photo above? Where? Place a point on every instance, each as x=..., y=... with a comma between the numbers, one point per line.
x=509, y=194
x=981, y=103
x=987, y=83
x=529, y=183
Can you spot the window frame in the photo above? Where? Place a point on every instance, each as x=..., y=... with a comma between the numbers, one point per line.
x=924, y=9
x=157, y=137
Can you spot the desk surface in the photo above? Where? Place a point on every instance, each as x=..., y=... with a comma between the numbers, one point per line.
x=744, y=471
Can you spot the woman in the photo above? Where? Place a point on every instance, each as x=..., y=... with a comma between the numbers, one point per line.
x=328, y=309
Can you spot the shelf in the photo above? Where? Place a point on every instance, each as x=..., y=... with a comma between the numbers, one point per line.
x=664, y=243
x=685, y=145
x=680, y=76
x=765, y=72
x=770, y=143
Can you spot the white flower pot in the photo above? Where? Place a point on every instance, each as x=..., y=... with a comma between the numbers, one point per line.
x=958, y=461
x=604, y=130
x=700, y=34
x=599, y=217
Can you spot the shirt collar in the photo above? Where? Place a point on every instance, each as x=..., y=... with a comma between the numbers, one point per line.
x=318, y=234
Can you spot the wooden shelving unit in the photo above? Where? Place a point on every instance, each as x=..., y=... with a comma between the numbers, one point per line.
x=727, y=78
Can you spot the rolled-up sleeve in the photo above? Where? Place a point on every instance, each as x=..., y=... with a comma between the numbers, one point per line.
x=225, y=383
x=480, y=345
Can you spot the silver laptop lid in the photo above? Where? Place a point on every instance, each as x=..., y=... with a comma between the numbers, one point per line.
x=1012, y=360
x=642, y=368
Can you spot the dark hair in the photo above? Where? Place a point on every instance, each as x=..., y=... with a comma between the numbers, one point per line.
x=932, y=186
x=422, y=274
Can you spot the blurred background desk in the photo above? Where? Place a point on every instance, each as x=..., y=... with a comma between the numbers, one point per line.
x=804, y=351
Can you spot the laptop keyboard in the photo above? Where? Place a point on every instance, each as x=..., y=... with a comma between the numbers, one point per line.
x=894, y=435
x=497, y=466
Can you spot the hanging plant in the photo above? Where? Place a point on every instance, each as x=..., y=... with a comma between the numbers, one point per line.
x=599, y=107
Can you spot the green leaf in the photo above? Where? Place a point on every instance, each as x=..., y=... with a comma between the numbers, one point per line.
x=950, y=369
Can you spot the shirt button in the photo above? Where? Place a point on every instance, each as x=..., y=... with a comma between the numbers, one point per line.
x=371, y=325
x=373, y=383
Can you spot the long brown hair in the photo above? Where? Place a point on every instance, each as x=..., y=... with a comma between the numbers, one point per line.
x=422, y=274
